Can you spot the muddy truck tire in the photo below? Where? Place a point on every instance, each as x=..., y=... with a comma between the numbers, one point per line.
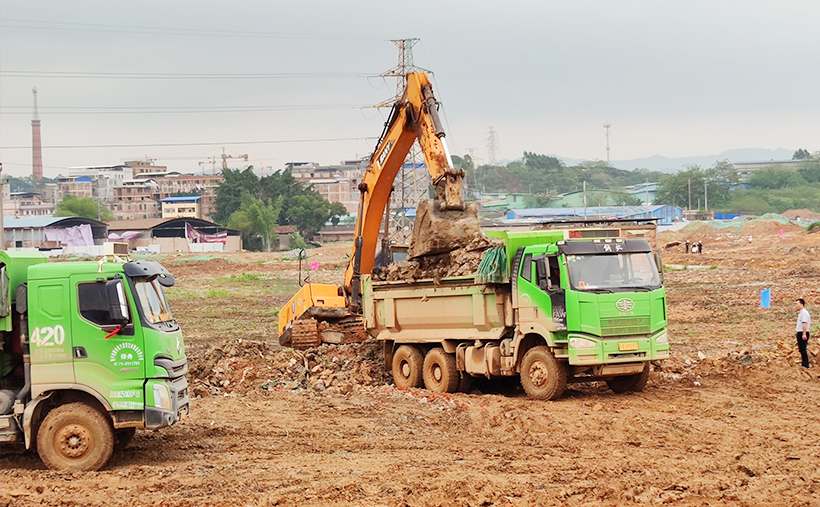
x=439, y=371
x=75, y=437
x=542, y=377
x=407, y=367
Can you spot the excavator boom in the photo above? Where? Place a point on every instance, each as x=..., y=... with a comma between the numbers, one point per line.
x=447, y=223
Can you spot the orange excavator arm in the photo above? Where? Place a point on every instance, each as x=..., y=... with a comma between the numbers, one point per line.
x=414, y=117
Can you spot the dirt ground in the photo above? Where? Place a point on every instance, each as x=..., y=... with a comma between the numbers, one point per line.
x=729, y=420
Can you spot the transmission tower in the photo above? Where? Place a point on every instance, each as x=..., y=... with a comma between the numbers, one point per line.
x=411, y=183
x=607, y=126
x=492, y=147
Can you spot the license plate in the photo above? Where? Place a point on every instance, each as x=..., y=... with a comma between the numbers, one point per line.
x=628, y=346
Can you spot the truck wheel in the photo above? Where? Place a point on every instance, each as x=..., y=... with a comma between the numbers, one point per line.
x=123, y=438
x=407, y=363
x=627, y=383
x=465, y=383
x=541, y=376
x=75, y=437
x=440, y=373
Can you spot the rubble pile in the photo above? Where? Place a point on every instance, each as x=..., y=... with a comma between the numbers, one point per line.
x=244, y=366
x=462, y=261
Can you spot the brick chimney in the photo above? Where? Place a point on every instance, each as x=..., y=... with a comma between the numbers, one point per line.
x=36, y=144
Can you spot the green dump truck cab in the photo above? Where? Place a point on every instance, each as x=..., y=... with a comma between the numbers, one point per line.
x=91, y=353
x=574, y=306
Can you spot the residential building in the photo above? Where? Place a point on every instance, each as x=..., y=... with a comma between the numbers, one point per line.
x=78, y=186
x=25, y=204
x=134, y=200
x=181, y=207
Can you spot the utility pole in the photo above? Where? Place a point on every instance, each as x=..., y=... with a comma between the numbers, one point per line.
x=705, y=197
x=607, y=126
x=690, y=195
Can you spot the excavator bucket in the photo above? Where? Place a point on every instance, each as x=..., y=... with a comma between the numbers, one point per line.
x=437, y=231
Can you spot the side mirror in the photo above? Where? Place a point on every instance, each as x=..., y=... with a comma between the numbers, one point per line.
x=658, y=263
x=117, y=304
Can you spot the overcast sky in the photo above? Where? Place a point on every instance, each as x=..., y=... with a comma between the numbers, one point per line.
x=175, y=81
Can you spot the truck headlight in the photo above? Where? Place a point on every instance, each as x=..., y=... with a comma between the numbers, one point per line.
x=664, y=338
x=581, y=343
x=161, y=397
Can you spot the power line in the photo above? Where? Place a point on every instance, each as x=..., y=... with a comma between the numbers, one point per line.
x=153, y=30
x=87, y=110
x=159, y=75
x=162, y=145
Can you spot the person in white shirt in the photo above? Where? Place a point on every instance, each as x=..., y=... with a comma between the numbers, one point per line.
x=802, y=329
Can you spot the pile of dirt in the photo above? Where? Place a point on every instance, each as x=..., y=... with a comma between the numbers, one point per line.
x=803, y=215
x=462, y=261
x=245, y=366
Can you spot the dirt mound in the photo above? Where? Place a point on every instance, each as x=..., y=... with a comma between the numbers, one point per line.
x=803, y=215
x=244, y=366
x=460, y=262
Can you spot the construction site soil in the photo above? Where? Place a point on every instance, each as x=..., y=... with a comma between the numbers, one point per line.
x=731, y=419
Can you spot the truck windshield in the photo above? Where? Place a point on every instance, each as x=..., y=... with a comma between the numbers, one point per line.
x=152, y=300
x=624, y=271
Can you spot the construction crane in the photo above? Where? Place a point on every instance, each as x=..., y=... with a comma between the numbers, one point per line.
x=213, y=160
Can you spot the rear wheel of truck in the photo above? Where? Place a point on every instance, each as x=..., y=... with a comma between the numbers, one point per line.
x=542, y=377
x=75, y=437
x=440, y=373
x=407, y=364
x=628, y=383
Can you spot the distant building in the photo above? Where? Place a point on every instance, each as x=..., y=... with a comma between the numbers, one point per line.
x=181, y=207
x=104, y=178
x=335, y=183
x=25, y=204
x=47, y=233
x=745, y=169
x=664, y=213
x=78, y=186
x=134, y=200
x=175, y=235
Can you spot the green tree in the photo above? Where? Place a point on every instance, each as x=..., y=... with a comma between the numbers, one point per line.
x=693, y=183
x=257, y=221
x=229, y=193
x=302, y=207
x=809, y=168
x=309, y=213
x=86, y=207
x=726, y=173
x=801, y=154
x=775, y=177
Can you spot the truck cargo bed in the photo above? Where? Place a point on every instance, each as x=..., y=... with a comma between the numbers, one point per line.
x=426, y=311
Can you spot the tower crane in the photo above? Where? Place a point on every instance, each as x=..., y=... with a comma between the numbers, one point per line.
x=213, y=160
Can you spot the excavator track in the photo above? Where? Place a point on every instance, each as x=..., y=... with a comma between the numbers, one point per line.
x=304, y=334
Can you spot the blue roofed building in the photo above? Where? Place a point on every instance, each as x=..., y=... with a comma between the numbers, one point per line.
x=182, y=207
x=665, y=214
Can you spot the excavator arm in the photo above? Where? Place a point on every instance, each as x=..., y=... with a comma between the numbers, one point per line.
x=413, y=117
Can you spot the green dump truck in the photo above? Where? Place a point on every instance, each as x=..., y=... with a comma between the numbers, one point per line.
x=90, y=353
x=566, y=305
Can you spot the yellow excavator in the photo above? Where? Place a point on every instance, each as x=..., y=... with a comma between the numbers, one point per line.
x=441, y=224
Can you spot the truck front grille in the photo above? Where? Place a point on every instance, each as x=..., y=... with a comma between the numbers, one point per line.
x=620, y=326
